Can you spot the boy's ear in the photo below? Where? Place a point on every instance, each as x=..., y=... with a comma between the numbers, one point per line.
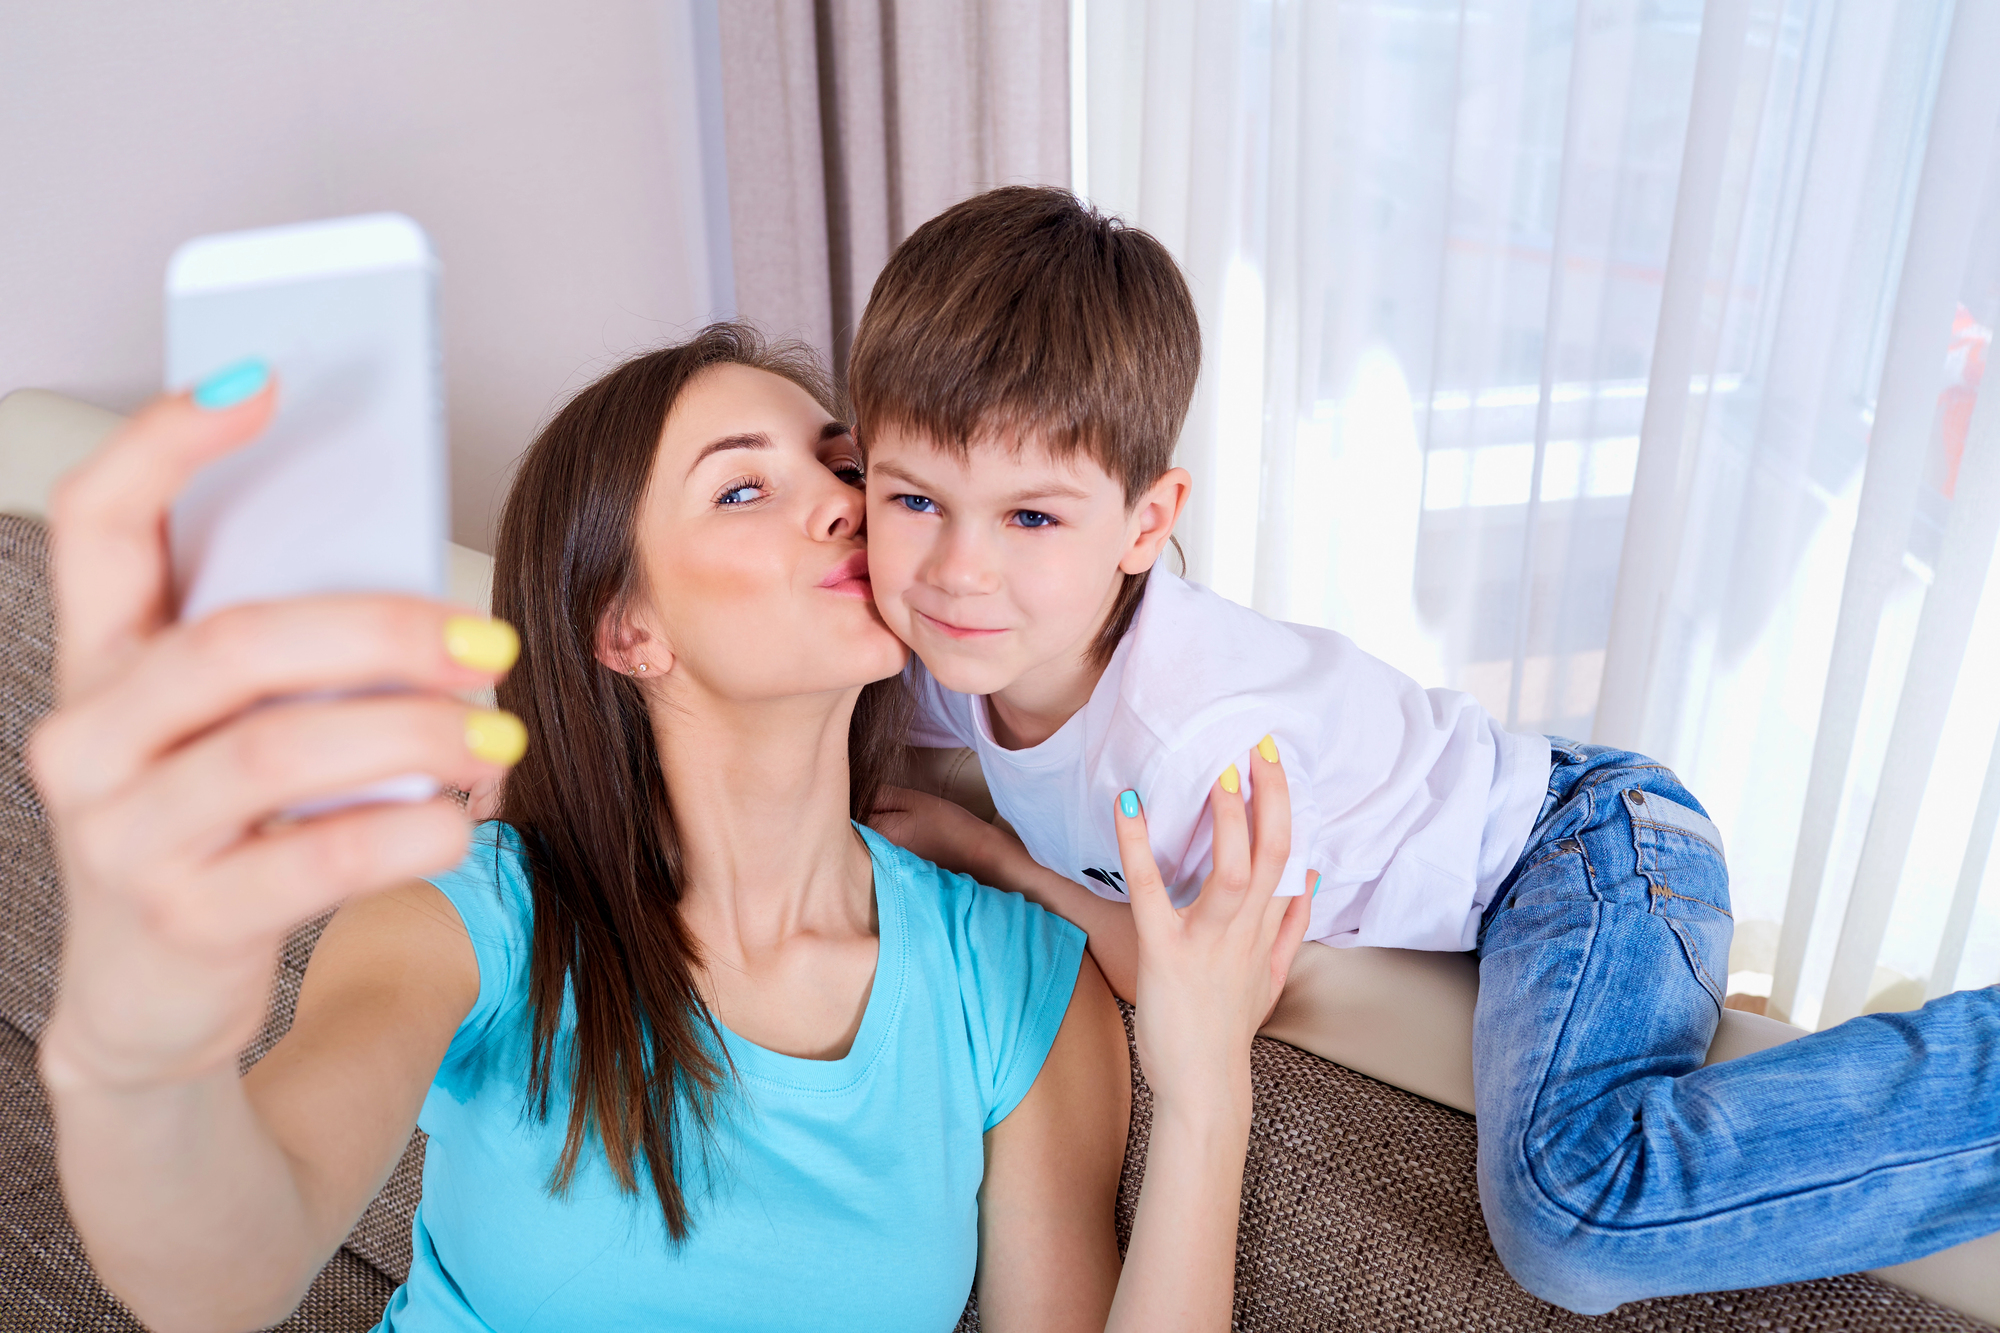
x=1153, y=517
x=623, y=645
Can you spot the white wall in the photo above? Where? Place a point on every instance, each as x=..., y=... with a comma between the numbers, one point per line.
x=556, y=153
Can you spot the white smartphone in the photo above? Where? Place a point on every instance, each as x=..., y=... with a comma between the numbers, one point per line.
x=346, y=489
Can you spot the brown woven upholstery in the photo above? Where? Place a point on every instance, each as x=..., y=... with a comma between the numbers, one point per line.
x=30, y=906
x=1360, y=1209
x=45, y=1279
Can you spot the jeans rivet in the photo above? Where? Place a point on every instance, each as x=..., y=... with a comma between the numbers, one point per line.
x=1636, y=797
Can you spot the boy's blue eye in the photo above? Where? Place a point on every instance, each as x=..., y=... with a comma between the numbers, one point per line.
x=1030, y=518
x=917, y=504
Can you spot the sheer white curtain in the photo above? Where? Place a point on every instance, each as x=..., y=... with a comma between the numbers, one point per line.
x=1617, y=361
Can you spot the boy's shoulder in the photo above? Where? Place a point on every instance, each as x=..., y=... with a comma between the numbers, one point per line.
x=1192, y=649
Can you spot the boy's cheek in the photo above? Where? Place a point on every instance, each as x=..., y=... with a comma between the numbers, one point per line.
x=894, y=610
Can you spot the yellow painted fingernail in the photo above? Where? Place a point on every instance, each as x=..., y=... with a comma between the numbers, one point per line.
x=495, y=736
x=1229, y=780
x=1269, y=749
x=483, y=645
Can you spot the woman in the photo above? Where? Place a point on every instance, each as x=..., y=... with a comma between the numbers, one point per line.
x=693, y=1048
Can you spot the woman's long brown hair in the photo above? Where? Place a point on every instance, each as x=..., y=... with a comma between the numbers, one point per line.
x=644, y=1067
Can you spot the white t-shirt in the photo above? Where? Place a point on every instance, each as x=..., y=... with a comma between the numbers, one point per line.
x=1412, y=804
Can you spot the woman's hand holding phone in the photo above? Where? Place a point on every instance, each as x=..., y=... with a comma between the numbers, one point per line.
x=1208, y=976
x=164, y=778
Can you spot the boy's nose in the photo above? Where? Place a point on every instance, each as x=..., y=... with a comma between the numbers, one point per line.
x=963, y=568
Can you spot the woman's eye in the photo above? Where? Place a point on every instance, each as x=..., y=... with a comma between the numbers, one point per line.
x=850, y=472
x=1029, y=518
x=743, y=492
x=917, y=504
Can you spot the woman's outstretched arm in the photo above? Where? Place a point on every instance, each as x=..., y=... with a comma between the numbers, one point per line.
x=205, y=1200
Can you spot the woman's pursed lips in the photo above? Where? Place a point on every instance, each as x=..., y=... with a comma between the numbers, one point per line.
x=849, y=578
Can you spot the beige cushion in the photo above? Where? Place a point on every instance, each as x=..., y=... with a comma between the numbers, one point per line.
x=44, y=434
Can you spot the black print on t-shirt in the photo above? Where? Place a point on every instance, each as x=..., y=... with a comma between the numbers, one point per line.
x=1110, y=879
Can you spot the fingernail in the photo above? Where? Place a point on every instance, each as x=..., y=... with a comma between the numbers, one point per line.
x=232, y=384
x=1312, y=882
x=1269, y=749
x=483, y=645
x=1230, y=781
x=1128, y=804
x=495, y=736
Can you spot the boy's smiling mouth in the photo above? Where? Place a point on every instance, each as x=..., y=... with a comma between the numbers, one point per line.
x=954, y=631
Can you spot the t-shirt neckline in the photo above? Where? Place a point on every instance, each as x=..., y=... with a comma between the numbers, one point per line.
x=1063, y=744
x=878, y=1017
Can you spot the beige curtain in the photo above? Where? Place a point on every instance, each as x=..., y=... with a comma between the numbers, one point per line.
x=850, y=122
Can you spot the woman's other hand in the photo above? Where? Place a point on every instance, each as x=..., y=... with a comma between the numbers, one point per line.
x=1208, y=975
x=164, y=779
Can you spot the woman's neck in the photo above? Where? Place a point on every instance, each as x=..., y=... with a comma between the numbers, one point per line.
x=760, y=805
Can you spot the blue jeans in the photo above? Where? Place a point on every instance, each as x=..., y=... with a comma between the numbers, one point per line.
x=1612, y=1165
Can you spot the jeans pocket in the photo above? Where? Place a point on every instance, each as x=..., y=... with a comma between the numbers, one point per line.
x=1706, y=944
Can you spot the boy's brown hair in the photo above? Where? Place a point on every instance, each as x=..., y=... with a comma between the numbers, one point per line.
x=1024, y=314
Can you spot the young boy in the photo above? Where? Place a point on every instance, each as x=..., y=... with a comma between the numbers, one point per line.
x=1019, y=380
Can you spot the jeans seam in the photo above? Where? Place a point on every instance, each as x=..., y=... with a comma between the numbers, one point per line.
x=1528, y=1157
x=1597, y=905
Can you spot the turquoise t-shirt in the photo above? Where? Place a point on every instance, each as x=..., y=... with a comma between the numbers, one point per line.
x=844, y=1192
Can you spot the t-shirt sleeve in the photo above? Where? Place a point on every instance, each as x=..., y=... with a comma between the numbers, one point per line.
x=1017, y=967
x=490, y=890
x=939, y=718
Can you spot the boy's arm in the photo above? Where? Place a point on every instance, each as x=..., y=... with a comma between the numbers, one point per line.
x=1114, y=943
x=941, y=831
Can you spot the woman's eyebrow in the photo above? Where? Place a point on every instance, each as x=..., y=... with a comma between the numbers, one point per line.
x=755, y=440
x=832, y=430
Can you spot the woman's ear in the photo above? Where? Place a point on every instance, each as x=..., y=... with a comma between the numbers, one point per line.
x=1153, y=517
x=629, y=648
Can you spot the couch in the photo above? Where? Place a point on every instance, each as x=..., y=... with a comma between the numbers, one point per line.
x=1360, y=1205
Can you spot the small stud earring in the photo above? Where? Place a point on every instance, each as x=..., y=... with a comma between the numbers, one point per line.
x=642, y=667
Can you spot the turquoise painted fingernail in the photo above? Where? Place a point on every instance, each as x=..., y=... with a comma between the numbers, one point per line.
x=1315, y=877
x=232, y=384
x=1129, y=803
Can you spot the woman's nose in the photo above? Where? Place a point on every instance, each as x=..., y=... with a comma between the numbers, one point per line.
x=839, y=511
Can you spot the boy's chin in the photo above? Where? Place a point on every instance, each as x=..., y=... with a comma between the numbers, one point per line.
x=965, y=670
